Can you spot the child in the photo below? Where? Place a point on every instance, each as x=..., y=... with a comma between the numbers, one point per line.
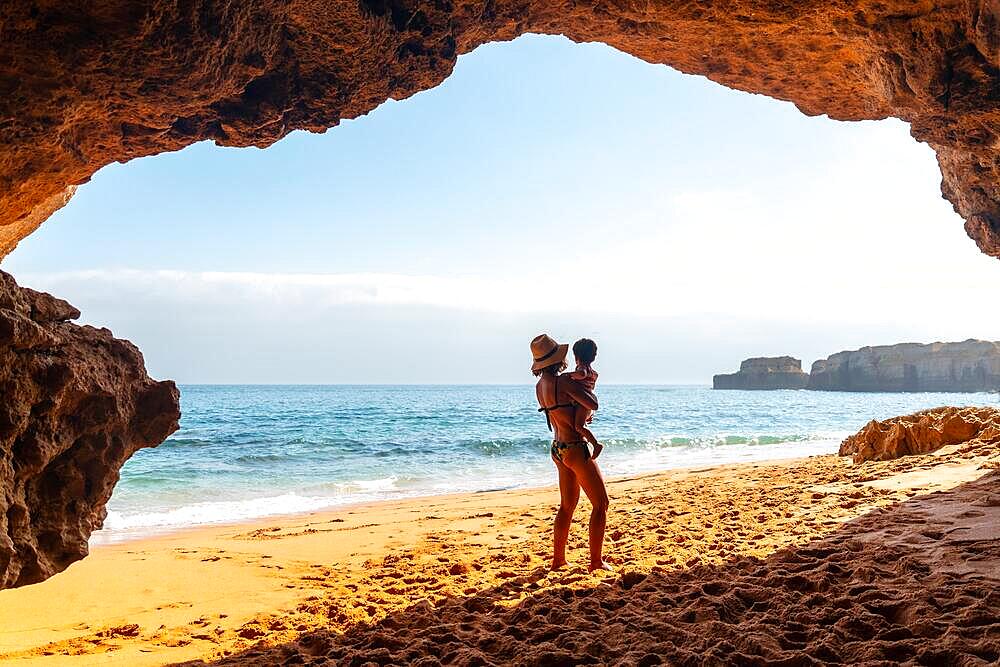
x=585, y=351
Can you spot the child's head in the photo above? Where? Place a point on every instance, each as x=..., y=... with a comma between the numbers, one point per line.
x=585, y=351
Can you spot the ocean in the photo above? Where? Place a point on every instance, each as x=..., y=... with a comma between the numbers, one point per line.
x=250, y=451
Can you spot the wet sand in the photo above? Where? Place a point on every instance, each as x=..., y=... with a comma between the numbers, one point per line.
x=794, y=562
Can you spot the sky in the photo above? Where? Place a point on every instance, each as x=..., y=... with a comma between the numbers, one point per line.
x=544, y=186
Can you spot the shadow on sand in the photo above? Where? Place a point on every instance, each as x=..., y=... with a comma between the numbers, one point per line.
x=917, y=582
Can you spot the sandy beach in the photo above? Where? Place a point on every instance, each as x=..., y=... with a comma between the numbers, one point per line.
x=788, y=562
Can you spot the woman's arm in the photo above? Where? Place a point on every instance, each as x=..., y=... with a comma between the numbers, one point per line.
x=579, y=394
x=580, y=424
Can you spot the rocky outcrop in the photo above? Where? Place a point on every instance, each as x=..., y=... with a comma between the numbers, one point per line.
x=972, y=365
x=86, y=84
x=75, y=403
x=924, y=432
x=764, y=373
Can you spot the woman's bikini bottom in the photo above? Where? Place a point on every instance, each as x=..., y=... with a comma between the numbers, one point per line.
x=558, y=448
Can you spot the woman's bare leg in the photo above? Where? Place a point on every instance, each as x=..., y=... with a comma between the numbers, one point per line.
x=588, y=475
x=569, y=496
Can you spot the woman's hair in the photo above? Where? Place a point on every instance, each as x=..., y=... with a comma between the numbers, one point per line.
x=585, y=351
x=551, y=369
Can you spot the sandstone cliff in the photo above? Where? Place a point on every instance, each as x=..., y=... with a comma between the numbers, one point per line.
x=84, y=84
x=924, y=432
x=764, y=373
x=75, y=403
x=972, y=365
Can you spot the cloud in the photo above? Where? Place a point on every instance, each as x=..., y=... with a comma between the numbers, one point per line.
x=291, y=290
x=852, y=250
x=258, y=327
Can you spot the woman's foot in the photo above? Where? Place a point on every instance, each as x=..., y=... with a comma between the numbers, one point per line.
x=600, y=566
x=558, y=565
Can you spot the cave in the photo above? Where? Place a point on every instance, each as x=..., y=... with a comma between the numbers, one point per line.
x=87, y=85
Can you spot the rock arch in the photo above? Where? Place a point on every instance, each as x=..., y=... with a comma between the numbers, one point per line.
x=83, y=85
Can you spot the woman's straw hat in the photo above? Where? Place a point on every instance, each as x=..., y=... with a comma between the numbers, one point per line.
x=545, y=352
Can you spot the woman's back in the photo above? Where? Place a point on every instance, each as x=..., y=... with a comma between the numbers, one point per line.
x=559, y=396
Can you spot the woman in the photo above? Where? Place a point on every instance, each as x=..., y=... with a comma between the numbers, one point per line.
x=559, y=397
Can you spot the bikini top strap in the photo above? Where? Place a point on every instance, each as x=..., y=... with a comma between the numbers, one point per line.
x=555, y=398
x=556, y=404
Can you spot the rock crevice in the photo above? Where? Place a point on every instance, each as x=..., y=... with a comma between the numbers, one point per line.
x=84, y=85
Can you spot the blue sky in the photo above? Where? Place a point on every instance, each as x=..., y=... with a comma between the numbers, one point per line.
x=544, y=186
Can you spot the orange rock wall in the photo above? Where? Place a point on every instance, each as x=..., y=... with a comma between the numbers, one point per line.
x=75, y=404
x=924, y=432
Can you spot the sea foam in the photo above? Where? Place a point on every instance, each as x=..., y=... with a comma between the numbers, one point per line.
x=248, y=452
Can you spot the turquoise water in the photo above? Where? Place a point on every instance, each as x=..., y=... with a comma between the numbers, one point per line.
x=251, y=451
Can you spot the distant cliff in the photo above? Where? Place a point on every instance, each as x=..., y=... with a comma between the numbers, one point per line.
x=764, y=373
x=972, y=365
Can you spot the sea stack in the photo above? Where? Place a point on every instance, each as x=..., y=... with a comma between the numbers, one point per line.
x=972, y=365
x=764, y=373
